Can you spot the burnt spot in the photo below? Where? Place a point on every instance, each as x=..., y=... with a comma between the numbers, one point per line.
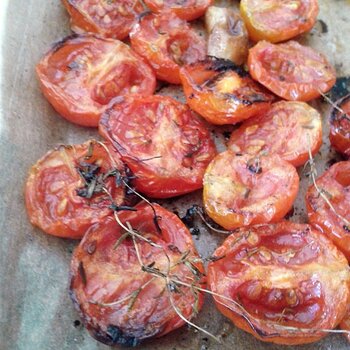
x=220, y=65
x=143, y=14
x=324, y=26
x=189, y=217
x=114, y=336
x=254, y=167
x=82, y=273
x=340, y=89
x=59, y=44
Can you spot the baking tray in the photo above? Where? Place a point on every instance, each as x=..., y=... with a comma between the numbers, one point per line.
x=35, y=310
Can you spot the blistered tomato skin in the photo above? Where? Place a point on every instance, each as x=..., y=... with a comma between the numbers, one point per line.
x=243, y=190
x=278, y=20
x=290, y=70
x=120, y=303
x=166, y=146
x=279, y=281
x=222, y=92
x=288, y=129
x=335, y=224
x=81, y=74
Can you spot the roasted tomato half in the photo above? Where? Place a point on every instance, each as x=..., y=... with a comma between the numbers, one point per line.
x=128, y=288
x=72, y=187
x=290, y=70
x=185, y=9
x=278, y=20
x=243, y=190
x=81, y=74
x=112, y=19
x=166, y=146
x=331, y=215
x=167, y=42
x=282, y=283
x=288, y=129
x=340, y=126
x=221, y=92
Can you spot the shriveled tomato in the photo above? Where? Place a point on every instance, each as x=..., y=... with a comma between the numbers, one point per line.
x=288, y=129
x=290, y=70
x=282, y=283
x=112, y=19
x=243, y=190
x=334, y=220
x=185, y=9
x=123, y=302
x=278, y=20
x=167, y=42
x=81, y=74
x=64, y=191
x=221, y=92
x=340, y=126
x=165, y=145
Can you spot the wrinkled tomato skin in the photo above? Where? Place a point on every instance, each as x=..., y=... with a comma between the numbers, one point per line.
x=290, y=70
x=166, y=146
x=340, y=126
x=188, y=10
x=113, y=19
x=276, y=20
x=103, y=273
x=167, y=42
x=287, y=129
x=81, y=74
x=285, y=274
x=243, y=190
x=335, y=183
x=51, y=191
x=221, y=92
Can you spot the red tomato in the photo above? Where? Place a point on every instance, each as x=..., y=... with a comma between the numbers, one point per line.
x=167, y=42
x=81, y=74
x=340, y=126
x=221, y=92
x=290, y=70
x=64, y=194
x=279, y=281
x=276, y=20
x=288, y=129
x=185, y=9
x=335, y=184
x=113, y=19
x=121, y=303
x=164, y=144
x=243, y=190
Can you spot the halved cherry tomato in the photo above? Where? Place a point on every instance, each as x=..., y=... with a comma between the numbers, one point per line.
x=290, y=70
x=332, y=221
x=167, y=42
x=221, y=92
x=288, y=129
x=340, y=126
x=121, y=302
x=112, y=19
x=282, y=283
x=165, y=145
x=185, y=9
x=278, y=20
x=81, y=74
x=64, y=191
x=243, y=190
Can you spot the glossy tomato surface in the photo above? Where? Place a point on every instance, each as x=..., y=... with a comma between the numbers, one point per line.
x=221, y=92
x=334, y=220
x=80, y=75
x=64, y=194
x=288, y=129
x=340, y=126
x=166, y=146
x=167, y=43
x=242, y=190
x=121, y=302
x=280, y=282
x=112, y=19
x=278, y=20
x=290, y=70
